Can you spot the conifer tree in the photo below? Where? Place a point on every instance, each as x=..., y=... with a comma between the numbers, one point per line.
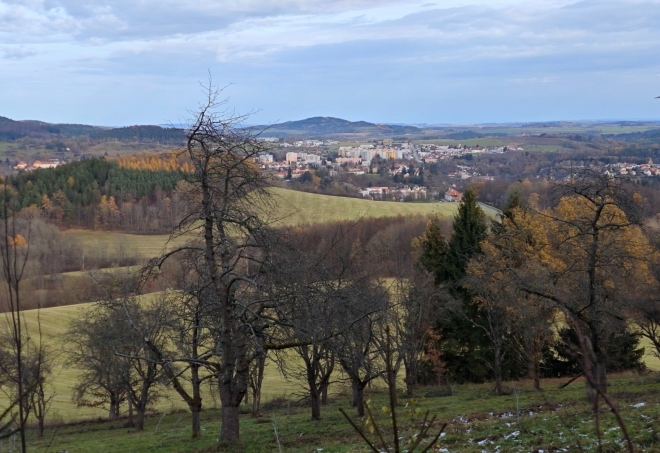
x=463, y=346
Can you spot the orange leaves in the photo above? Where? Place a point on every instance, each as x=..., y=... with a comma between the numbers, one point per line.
x=17, y=241
x=170, y=161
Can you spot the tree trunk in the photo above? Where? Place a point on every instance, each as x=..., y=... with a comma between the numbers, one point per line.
x=195, y=410
x=536, y=365
x=355, y=394
x=114, y=406
x=498, y=371
x=130, y=412
x=256, y=401
x=139, y=423
x=316, y=403
x=256, y=391
x=229, y=432
x=392, y=377
x=600, y=374
x=324, y=393
x=411, y=377
x=358, y=397
x=40, y=432
x=195, y=404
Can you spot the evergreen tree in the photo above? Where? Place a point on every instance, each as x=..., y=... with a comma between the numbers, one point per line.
x=433, y=250
x=464, y=348
x=470, y=228
x=448, y=260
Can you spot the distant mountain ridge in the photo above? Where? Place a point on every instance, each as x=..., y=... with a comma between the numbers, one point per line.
x=320, y=126
x=315, y=127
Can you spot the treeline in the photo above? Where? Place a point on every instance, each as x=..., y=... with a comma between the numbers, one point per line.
x=99, y=193
x=167, y=136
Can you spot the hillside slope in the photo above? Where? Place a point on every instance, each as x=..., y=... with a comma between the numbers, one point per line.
x=293, y=208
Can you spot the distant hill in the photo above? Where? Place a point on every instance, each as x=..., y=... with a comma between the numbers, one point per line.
x=316, y=127
x=470, y=134
x=652, y=135
x=321, y=126
x=170, y=136
x=13, y=130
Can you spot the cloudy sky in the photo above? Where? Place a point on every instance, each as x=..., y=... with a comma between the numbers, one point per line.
x=122, y=62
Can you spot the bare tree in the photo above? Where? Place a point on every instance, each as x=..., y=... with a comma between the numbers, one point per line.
x=39, y=369
x=15, y=242
x=240, y=267
x=328, y=295
x=127, y=325
x=358, y=349
x=144, y=323
x=89, y=344
x=227, y=198
x=413, y=318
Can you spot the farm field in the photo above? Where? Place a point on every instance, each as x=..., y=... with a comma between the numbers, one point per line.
x=293, y=208
x=302, y=208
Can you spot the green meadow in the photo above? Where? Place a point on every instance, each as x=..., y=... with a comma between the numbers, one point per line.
x=291, y=208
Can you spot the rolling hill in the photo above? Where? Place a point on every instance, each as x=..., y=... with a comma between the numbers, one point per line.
x=321, y=126
x=292, y=208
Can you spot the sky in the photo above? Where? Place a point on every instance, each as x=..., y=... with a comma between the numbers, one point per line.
x=124, y=62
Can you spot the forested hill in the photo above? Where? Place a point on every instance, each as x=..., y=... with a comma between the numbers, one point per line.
x=320, y=126
x=315, y=127
x=14, y=130
x=99, y=193
x=170, y=136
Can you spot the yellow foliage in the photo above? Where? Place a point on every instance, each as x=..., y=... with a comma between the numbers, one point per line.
x=17, y=241
x=170, y=161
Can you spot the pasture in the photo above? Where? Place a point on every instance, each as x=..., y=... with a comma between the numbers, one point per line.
x=292, y=208
x=53, y=324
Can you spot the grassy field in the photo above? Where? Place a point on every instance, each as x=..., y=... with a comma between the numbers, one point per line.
x=521, y=420
x=54, y=323
x=293, y=208
x=302, y=208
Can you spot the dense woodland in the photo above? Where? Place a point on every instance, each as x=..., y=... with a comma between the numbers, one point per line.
x=129, y=194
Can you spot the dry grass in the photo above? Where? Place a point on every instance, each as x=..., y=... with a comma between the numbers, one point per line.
x=53, y=325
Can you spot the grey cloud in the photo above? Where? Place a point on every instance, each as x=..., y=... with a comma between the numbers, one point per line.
x=153, y=19
x=18, y=53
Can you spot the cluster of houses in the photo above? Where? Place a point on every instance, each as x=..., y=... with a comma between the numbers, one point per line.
x=365, y=153
x=299, y=143
x=395, y=193
x=623, y=168
x=432, y=153
x=26, y=166
x=407, y=192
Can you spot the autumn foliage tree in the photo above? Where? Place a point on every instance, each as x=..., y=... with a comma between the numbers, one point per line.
x=584, y=258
